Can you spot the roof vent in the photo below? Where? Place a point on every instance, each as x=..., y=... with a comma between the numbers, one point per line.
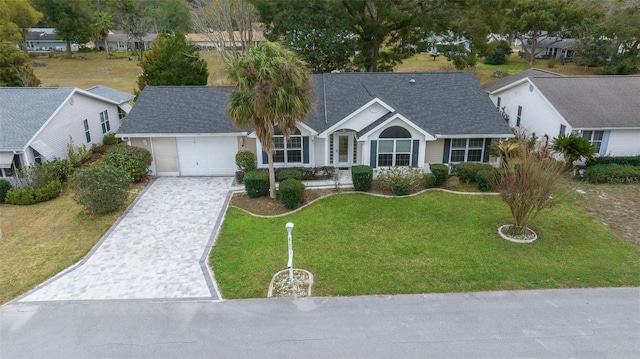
x=412, y=81
x=335, y=71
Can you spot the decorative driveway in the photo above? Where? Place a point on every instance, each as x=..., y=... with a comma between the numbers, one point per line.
x=157, y=249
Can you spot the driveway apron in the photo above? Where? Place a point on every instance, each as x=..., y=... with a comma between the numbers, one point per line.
x=157, y=250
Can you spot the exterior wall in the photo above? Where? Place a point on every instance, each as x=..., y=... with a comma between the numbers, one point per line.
x=624, y=143
x=320, y=148
x=364, y=118
x=69, y=122
x=146, y=144
x=434, y=152
x=537, y=114
x=247, y=144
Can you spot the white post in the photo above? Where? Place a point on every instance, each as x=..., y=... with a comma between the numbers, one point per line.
x=289, y=227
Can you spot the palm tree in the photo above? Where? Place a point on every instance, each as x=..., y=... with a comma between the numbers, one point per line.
x=573, y=148
x=101, y=26
x=273, y=88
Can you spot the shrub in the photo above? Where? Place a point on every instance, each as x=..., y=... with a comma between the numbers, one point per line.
x=245, y=160
x=291, y=192
x=428, y=180
x=39, y=174
x=77, y=155
x=110, y=139
x=4, y=187
x=256, y=183
x=626, y=160
x=485, y=179
x=26, y=196
x=101, y=189
x=467, y=171
x=362, y=177
x=133, y=160
x=400, y=180
x=441, y=172
x=287, y=173
x=612, y=173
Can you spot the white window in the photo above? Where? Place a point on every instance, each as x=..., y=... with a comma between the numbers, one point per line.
x=595, y=137
x=87, y=133
x=394, y=147
x=104, y=121
x=467, y=150
x=289, y=151
x=519, y=117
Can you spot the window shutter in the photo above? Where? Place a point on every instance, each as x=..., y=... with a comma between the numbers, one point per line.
x=487, y=144
x=374, y=154
x=414, y=153
x=447, y=148
x=305, y=149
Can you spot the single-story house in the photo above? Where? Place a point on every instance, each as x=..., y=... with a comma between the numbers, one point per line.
x=222, y=39
x=37, y=122
x=45, y=39
x=377, y=119
x=121, y=41
x=603, y=109
x=550, y=47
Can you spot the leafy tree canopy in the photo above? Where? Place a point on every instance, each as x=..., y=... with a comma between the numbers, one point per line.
x=15, y=67
x=71, y=19
x=14, y=16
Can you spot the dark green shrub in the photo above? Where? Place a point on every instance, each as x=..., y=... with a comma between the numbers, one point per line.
x=428, y=180
x=110, y=139
x=26, y=196
x=362, y=177
x=134, y=160
x=58, y=169
x=467, y=171
x=101, y=189
x=291, y=192
x=626, y=160
x=256, y=183
x=245, y=161
x=4, y=187
x=485, y=180
x=612, y=173
x=400, y=187
x=287, y=173
x=441, y=171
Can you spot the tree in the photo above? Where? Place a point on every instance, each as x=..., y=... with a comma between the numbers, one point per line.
x=527, y=183
x=172, y=15
x=134, y=19
x=15, y=17
x=71, y=19
x=500, y=54
x=593, y=48
x=624, y=27
x=273, y=89
x=100, y=27
x=172, y=61
x=15, y=67
x=535, y=20
x=226, y=22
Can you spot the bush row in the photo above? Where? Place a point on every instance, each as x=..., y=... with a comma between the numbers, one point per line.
x=628, y=160
x=612, y=173
x=25, y=196
x=308, y=173
x=467, y=171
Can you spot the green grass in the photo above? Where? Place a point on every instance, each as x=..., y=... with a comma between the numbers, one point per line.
x=435, y=242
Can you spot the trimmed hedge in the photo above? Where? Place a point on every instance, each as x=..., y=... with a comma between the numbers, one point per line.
x=245, y=161
x=441, y=171
x=612, y=173
x=428, y=180
x=26, y=196
x=4, y=187
x=467, y=171
x=291, y=192
x=256, y=183
x=485, y=180
x=605, y=160
x=287, y=173
x=362, y=176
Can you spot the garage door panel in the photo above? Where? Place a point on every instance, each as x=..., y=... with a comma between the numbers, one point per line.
x=207, y=156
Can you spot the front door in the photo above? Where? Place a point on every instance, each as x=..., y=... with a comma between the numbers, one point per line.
x=343, y=149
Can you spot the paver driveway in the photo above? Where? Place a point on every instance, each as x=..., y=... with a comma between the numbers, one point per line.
x=157, y=250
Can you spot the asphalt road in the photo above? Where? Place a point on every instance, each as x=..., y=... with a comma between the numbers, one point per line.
x=575, y=323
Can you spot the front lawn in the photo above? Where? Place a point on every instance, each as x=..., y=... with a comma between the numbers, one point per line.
x=357, y=244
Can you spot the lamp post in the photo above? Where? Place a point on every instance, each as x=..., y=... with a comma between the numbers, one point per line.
x=289, y=227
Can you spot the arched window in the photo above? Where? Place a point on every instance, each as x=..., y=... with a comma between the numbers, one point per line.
x=394, y=147
x=289, y=151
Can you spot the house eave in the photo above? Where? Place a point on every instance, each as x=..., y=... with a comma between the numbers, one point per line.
x=478, y=135
x=144, y=135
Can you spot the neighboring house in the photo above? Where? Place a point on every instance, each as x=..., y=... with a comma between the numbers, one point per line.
x=377, y=119
x=603, y=109
x=120, y=41
x=222, y=40
x=45, y=40
x=437, y=44
x=551, y=47
x=36, y=122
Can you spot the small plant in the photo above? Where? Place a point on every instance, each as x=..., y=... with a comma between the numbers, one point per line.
x=428, y=180
x=101, y=188
x=287, y=173
x=441, y=171
x=362, y=177
x=291, y=192
x=400, y=180
x=573, y=148
x=337, y=175
x=77, y=155
x=245, y=161
x=110, y=139
x=4, y=187
x=134, y=160
x=256, y=183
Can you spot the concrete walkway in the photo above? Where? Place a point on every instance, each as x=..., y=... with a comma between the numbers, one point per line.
x=157, y=250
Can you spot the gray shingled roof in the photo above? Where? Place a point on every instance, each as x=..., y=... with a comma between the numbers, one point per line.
x=440, y=103
x=594, y=101
x=23, y=111
x=499, y=83
x=179, y=109
x=111, y=94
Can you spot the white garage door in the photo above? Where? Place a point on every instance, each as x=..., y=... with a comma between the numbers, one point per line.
x=207, y=156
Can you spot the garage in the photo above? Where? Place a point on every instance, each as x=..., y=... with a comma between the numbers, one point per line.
x=207, y=156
